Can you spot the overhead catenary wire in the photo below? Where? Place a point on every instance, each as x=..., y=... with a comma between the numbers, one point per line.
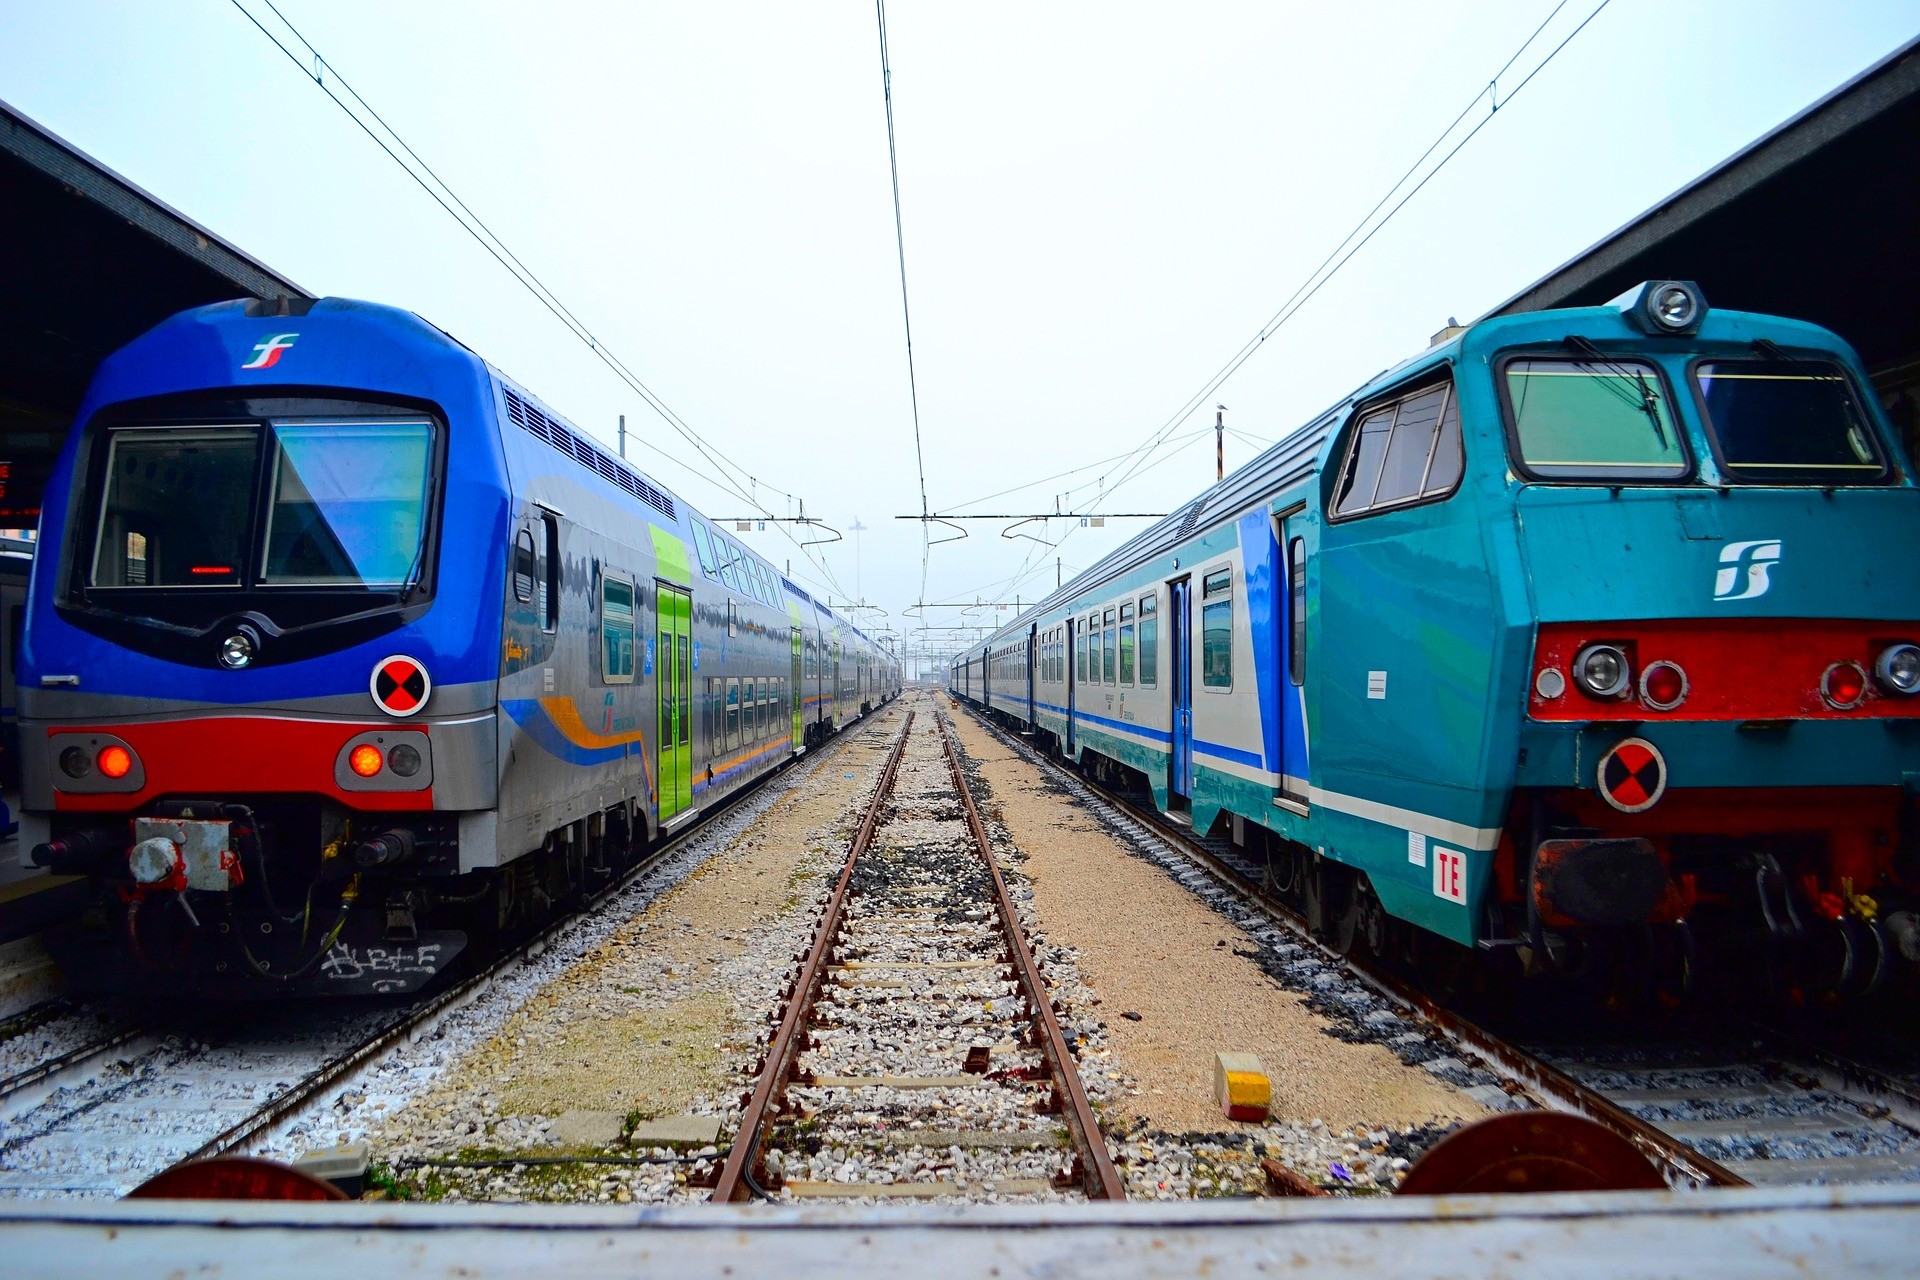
x=906, y=308
x=729, y=475
x=1141, y=458
x=1368, y=226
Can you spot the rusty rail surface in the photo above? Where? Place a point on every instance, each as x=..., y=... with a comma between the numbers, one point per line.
x=1547, y=1084
x=1095, y=1165
x=737, y=1174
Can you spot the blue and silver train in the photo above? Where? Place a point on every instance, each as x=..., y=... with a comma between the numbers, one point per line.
x=341, y=646
x=1585, y=636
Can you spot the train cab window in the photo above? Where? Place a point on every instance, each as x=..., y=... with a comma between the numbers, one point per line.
x=1402, y=452
x=1297, y=611
x=1787, y=421
x=1126, y=643
x=1109, y=666
x=150, y=474
x=347, y=503
x=1216, y=630
x=526, y=569
x=1149, y=641
x=616, y=630
x=550, y=569
x=1592, y=420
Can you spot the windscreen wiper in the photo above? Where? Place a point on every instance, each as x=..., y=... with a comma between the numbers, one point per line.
x=1648, y=402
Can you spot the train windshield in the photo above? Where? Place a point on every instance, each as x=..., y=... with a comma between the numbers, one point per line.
x=347, y=503
x=1593, y=420
x=337, y=504
x=1787, y=421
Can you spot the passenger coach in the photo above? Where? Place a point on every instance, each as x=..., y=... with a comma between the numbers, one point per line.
x=1584, y=635
x=341, y=646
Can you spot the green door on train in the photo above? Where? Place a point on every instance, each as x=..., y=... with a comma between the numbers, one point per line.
x=673, y=686
x=798, y=692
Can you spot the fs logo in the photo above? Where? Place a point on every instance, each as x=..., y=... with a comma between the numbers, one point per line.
x=1757, y=558
x=267, y=354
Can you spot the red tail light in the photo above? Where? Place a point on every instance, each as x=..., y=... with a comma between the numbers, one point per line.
x=1663, y=685
x=365, y=760
x=1844, y=684
x=115, y=762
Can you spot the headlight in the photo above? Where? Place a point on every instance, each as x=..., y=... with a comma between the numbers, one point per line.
x=1674, y=306
x=1898, y=669
x=1602, y=671
x=404, y=760
x=75, y=763
x=236, y=651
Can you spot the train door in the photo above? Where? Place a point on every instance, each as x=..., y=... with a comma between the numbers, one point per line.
x=1073, y=681
x=1033, y=650
x=799, y=689
x=673, y=689
x=1180, y=646
x=1291, y=635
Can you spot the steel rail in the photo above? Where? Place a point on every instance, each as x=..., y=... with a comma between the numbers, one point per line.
x=735, y=1180
x=1545, y=1083
x=467, y=989
x=1097, y=1173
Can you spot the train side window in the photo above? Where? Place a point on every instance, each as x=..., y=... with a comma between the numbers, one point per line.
x=1109, y=665
x=526, y=567
x=1216, y=630
x=1297, y=611
x=550, y=569
x=703, y=548
x=733, y=713
x=1403, y=452
x=716, y=735
x=616, y=630
x=1126, y=642
x=1080, y=655
x=1149, y=641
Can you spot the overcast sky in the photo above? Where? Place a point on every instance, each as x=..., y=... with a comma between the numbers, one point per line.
x=1101, y=204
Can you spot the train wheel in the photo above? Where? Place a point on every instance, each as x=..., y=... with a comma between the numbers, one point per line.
x=1375, y=925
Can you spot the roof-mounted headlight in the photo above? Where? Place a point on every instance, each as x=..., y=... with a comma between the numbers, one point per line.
x=1663, y=306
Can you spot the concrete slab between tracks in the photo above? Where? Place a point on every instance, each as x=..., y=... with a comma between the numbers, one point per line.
x=1751, y=1232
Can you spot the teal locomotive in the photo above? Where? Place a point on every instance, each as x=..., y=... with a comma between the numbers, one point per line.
x=1586, y=636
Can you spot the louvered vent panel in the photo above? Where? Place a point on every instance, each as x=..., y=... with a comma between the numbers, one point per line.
x=582, y=451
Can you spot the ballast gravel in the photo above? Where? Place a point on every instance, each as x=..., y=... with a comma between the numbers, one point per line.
x=1176, y=969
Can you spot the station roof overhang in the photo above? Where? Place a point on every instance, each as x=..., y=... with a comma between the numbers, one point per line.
x=1818, y=220
x=92, y=262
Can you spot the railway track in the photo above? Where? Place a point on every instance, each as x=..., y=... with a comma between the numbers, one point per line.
x=1720, y=1109
x=164, y=1092
x=918, y=1027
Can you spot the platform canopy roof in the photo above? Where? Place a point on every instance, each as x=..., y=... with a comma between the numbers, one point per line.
x=91, y=261
x=1818, y=220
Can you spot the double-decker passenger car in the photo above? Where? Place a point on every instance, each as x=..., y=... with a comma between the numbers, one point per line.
x=341, y=645
x=1584, y=632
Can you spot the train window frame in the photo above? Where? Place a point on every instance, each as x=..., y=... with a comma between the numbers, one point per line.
x=1216, y=592
x=523, y=552
x=1599, y=475
x=1148, y=643
x=1393, y=400
x=1109, y=649
x=703, y=550
x=611, y=670
x=1730, y=472
x=1127, y=653
x=1297, y=611
x=551, y=564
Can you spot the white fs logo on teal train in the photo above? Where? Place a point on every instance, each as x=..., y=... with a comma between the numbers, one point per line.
x=267, y=354
x=1757, y=558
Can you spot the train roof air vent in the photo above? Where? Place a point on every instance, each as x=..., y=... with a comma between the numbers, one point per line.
x=582, y=451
